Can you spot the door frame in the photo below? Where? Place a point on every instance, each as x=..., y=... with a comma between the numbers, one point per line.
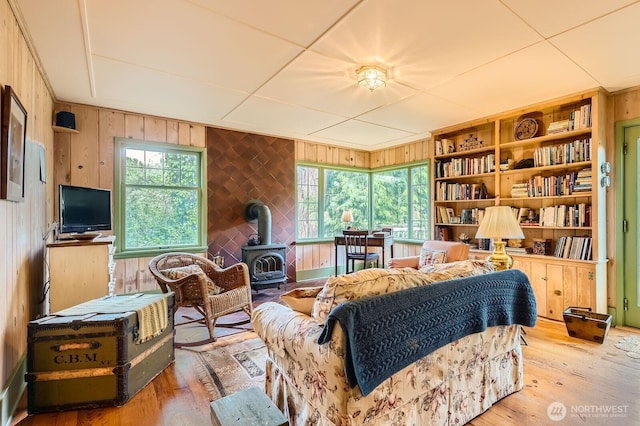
x=619, y=247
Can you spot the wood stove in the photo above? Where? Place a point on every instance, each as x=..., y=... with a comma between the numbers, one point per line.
x=267, y=265
x=267, y=262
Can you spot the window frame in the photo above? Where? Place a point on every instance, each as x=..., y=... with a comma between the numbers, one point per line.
x=370, y=211
x=119, y=202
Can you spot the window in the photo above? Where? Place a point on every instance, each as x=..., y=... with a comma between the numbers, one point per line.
x=396, y=198
x=160, y=197
x=401, y=201
x=345, y=190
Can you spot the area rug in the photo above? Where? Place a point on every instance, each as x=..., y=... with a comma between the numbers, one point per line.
x=232, y=364
x=631, y=345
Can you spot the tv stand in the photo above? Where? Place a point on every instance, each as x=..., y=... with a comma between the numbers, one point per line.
x=85, y=235
x=80, y=270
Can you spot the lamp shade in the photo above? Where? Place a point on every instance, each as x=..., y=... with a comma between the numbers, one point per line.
x=499, y=222
x=347, y=216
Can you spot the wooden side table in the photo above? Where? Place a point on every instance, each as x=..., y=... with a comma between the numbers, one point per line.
x=249, y=406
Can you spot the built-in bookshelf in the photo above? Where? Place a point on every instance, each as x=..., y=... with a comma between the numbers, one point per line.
x=550, y=177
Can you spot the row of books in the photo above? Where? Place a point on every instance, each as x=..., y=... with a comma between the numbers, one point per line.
x=573, y=248
x=465, y=166
x=578, y=215
x=446, y=215
x=446, y=191
x=573, y=152
x=544, y=186
x=578, y=119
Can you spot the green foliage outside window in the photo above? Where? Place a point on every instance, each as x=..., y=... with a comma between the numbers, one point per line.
x=396, y=198
x=160, y=197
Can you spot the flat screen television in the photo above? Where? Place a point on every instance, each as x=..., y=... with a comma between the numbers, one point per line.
x=84, y=210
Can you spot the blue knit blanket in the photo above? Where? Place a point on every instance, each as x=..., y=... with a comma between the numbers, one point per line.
x=384, y=334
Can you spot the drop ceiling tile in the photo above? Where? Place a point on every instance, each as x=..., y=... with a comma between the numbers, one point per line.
x=531, y=75
x=184, y=39
x=420, y=113
x=61, y=48
x=428, y=42
x=602, y=48
x=552, y=17
x=326, y=84
x=300, y=22
x=287, y=120
x=128, y=87
x=361, y=134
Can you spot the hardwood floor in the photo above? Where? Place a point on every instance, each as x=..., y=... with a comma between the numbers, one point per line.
x=588, y=378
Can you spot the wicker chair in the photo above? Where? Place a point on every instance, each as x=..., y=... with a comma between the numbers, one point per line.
x=192, y=290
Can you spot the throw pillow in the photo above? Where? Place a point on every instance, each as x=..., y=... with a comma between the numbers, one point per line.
x=301, y=299
x=185, y=271
x=459, y=269
x=364, y=283
x=431, y=257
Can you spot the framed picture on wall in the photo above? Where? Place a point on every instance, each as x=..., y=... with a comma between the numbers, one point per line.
x=12, y=146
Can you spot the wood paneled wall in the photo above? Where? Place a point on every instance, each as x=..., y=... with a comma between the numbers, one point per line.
x=86, y=159
x=23, y=225
x=322, y=255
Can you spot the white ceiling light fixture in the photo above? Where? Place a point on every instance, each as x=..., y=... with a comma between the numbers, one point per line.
x=372, y=77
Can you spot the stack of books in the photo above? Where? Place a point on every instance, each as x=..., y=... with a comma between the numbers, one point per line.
x=583, y=181
x=520, y=190
x=519, y=250
x=558, y=127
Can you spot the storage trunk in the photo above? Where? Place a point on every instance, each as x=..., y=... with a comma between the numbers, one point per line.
x=94, y=360
x=587, y=325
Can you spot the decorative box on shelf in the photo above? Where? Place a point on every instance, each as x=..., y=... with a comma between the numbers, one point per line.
x=542, y=246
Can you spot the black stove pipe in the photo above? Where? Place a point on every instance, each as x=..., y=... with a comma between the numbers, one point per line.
x=257, y=210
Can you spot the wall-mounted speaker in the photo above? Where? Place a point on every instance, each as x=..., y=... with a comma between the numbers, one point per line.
x=66, y=119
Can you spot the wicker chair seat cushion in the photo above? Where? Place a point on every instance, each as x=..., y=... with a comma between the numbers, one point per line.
x=185, y=271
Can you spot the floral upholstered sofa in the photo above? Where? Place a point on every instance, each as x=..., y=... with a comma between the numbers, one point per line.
x=452, y=384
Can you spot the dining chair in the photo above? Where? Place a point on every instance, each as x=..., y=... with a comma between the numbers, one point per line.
x=357, y=248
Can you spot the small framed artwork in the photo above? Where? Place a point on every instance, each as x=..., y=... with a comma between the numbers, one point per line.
x=12, y=147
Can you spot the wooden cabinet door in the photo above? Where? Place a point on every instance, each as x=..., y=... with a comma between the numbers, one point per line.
x=555, y=292
x=538, y=278
x=586, y=287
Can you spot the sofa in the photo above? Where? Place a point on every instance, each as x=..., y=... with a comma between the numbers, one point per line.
x=433, y=250
x=313, y=383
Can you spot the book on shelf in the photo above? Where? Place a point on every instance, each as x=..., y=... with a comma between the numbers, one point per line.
x=519, y=250
x=443, y=216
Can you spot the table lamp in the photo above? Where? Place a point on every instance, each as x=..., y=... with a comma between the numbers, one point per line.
x=499, y=222
x=347, y=217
